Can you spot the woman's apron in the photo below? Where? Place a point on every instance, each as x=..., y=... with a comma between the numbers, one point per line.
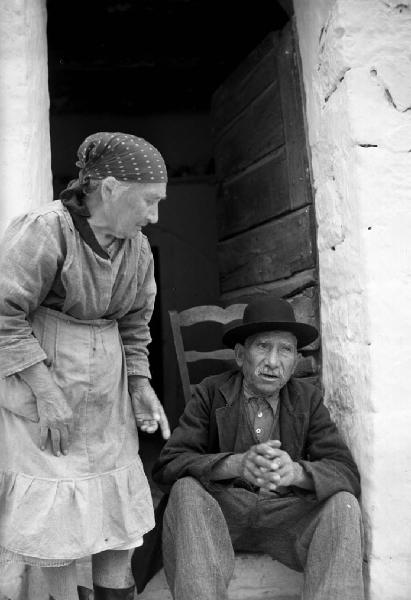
x=97, y=497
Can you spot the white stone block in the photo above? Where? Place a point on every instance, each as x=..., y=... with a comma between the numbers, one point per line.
x=25, y=173
x=256, y=577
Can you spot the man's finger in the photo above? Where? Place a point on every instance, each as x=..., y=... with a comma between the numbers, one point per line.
x=260, y=461
x=251, y=468
x=249, y=475
x=276, y=453
x=274, y=443
x=271, y=487
x=55, y=441
x=266, y=450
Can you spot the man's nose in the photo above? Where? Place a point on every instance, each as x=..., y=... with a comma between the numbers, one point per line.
x=273, y=357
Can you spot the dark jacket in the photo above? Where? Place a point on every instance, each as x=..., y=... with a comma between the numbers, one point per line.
x=206, y=433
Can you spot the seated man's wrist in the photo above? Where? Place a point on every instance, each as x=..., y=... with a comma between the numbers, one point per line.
x=228, y=468
x=301, y=478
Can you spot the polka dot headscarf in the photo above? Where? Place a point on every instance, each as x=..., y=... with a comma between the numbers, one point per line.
x=123, y=156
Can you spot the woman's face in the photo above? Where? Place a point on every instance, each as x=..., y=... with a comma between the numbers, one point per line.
x=130, y=206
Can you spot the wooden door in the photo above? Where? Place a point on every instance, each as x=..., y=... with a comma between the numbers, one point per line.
x=266, y=225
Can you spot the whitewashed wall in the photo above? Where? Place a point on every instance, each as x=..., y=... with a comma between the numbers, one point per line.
x=25, y=175
x=356, y=57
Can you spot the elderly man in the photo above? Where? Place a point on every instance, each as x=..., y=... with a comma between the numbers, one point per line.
x=256, y=464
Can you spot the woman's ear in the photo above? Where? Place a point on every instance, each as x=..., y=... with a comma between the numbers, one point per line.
x=239, y=354
x=108, y=185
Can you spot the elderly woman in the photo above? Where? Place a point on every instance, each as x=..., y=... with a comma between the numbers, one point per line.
x=77, y=292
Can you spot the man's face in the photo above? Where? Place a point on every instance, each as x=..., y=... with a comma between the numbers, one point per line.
x=267, y=361
x=129, y=207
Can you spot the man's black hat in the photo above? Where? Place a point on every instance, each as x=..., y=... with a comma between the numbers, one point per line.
x=268, y=313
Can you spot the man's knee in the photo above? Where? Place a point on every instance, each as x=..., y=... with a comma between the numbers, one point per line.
x=184, y=490
x=188, y=498
x=344, y=507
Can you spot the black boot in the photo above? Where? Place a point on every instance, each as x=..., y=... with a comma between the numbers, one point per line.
x=84, y=593
x=101, y=593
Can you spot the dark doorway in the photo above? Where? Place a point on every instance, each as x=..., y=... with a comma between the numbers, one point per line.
x=150, y=67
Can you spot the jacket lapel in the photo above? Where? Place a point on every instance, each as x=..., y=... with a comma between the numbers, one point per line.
x=292, y=421
x=228, y=416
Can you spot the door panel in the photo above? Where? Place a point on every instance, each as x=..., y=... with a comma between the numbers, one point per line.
x=266, y=223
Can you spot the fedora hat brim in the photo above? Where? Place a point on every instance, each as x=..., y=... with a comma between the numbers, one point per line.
x=237, y=334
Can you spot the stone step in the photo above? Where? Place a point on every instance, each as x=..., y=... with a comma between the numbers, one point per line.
x=256, y=577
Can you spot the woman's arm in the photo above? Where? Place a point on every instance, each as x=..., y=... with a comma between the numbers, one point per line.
x=29, y=256
x=134, y=326
x=29, y=260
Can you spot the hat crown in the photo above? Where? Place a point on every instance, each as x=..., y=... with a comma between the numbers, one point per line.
x=269, y=309
x=268, y=313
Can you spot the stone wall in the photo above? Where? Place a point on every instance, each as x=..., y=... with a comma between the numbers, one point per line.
x=25, y=177
x=357, y=76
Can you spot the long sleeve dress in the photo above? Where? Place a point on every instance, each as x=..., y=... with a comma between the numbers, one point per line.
x=86, y=314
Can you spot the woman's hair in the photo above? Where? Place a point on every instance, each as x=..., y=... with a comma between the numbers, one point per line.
x=80, y=189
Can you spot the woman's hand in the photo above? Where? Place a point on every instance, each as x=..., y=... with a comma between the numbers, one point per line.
x=56, y=417
x=55, y=414
x=147, y=407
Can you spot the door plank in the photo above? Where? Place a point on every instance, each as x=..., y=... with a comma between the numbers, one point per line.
x=293, y=120
x=246, y=83
x=269, y=252
x=282, y=287
x=257, y=131
x=256, y=195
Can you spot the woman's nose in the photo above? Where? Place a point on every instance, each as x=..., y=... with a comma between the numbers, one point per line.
x=153, y=215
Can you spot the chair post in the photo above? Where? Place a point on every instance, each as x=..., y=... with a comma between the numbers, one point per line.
x=179, y=347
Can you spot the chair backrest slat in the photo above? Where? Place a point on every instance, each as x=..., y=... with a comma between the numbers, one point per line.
x=202, y=314
x=224, y=354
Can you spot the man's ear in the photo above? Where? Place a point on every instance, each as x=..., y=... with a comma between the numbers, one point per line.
x=239, y=352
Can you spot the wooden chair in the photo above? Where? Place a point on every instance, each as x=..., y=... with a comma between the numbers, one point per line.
x=195, y=316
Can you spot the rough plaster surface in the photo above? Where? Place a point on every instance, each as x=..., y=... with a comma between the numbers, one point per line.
x=357, y=76
x=24, y=105
x=25, y=174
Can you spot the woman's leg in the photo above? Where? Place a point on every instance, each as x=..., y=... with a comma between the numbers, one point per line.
x=112, y=577
x=62, y=581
